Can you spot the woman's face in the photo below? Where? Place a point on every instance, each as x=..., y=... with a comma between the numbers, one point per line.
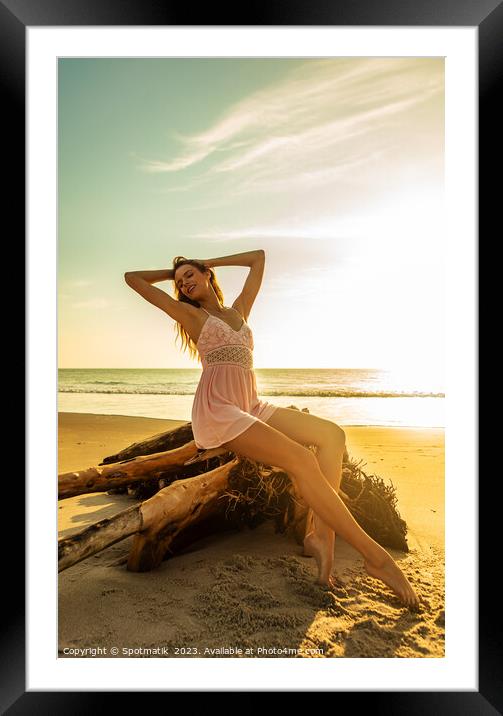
x=190, y=281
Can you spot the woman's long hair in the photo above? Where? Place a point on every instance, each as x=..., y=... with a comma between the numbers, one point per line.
x=187, y=341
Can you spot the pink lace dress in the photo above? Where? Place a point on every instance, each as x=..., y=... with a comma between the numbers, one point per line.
x=226, y=401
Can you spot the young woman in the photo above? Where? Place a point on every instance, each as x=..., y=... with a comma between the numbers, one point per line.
x=227, y=411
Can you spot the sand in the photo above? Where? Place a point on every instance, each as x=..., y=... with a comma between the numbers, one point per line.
x=251, y=593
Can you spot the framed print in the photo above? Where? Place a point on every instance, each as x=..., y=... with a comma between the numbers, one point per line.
x=196, y=463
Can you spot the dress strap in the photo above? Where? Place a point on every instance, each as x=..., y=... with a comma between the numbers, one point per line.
x=210, y=314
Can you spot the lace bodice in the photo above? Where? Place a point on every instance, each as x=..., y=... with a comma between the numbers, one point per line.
x=219, y=343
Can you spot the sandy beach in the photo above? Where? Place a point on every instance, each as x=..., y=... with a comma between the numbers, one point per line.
x=253, y=590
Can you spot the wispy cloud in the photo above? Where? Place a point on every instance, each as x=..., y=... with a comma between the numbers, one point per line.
x=79, y=283
x=322, y=120
x=92, y=303
x=408, y=229
x=304, y=282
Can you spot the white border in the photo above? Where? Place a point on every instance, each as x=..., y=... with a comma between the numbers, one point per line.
x=458, y=671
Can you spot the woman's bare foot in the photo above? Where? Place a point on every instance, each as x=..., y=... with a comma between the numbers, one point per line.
x=324, y=555
x=390, y=573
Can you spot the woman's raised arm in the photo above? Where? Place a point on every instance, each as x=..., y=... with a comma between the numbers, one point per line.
x=247, y=258
x=153, y=276
x=256, y=261
x=141, y=282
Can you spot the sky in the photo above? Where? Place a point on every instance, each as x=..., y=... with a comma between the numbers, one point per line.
x=333, y=166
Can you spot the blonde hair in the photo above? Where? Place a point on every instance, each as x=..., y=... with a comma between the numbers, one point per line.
x=187, y=342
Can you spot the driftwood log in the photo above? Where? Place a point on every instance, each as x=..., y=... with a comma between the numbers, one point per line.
x=185, y=493
x=155, y=522
x=172, y=510
x=134, y=469
x=160, y=442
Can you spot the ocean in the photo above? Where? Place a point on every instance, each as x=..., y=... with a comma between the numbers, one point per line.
x=348, y=396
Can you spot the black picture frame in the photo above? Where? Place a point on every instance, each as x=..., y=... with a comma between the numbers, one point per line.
x=18, y=15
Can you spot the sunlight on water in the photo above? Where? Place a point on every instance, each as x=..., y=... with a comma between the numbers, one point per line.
x=418, y=412
x=346, y=396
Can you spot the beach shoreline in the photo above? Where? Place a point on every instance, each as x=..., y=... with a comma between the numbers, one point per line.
x=253, y=588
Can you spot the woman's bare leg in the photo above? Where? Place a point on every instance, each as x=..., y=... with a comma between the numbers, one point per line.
x=262, y=443
x=330, y=441
x=319, y=541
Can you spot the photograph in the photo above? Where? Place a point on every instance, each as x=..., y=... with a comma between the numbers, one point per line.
x=252, y=354
x=251, y=357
